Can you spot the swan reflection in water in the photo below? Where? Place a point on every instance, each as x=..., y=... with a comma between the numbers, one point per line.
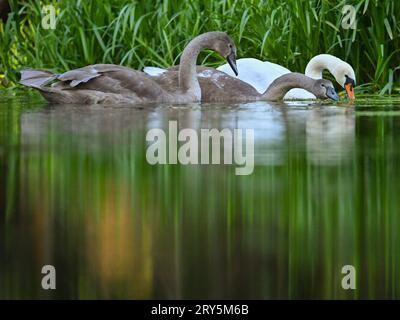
x=326, y=133
x=130, y=228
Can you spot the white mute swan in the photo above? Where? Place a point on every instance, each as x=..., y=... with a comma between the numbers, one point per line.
x=260, y=74
x=109, y=83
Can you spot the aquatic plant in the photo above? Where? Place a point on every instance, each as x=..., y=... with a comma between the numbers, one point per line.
x=141, y=32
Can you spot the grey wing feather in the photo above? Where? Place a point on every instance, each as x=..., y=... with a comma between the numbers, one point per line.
x=36, y=78
x=95, y=83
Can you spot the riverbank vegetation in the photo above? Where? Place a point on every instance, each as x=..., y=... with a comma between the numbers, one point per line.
x=141, y=32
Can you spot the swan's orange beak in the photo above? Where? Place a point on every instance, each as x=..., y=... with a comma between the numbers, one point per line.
x=349, y=86
x=350, y=91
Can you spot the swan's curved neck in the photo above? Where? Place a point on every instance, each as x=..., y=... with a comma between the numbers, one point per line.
x=321, y=62
x=188, y=81
x=280, y=86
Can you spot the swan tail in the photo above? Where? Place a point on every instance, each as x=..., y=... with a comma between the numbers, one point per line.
x=37, y=79
x=40, y=80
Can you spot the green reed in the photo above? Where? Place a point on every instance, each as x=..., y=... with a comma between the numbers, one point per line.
x=139, y=33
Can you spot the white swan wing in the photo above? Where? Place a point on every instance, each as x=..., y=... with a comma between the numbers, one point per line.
x=154, y=71
x=259, y=74
x=298, y=94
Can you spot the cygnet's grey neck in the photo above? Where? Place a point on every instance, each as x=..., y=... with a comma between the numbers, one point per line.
x=280, y=86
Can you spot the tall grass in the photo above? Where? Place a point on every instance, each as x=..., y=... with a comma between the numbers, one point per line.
x=141, y=32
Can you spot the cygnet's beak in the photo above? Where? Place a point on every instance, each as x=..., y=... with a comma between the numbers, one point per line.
x=331, y=93
x=231, y=58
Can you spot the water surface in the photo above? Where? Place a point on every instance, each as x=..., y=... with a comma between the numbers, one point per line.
x=77, y=192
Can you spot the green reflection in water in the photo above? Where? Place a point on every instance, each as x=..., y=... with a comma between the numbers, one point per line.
x=77, y=192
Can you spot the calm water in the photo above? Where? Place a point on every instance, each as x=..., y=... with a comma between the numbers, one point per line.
x=77, y=192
